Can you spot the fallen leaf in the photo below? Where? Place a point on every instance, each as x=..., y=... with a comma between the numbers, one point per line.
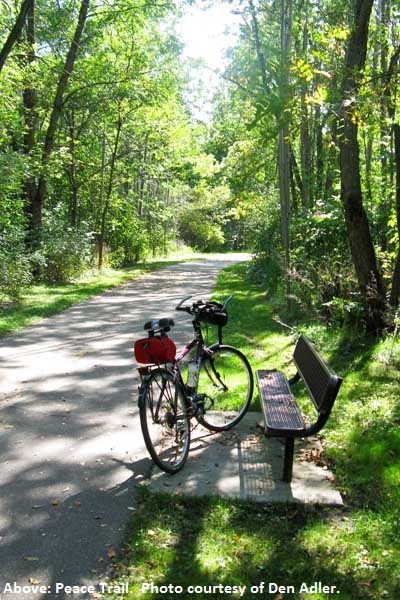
x=111, y=553
x=33, y=581
x=55, y=502
x=77, y=503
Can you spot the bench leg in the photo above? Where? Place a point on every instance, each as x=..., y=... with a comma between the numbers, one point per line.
x=288, y=460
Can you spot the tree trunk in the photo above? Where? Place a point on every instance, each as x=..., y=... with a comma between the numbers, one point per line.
x=72, y=174
x=386, y=183
x=101, y=222
x=361, y=245
x=283, y=137
x=395, y=287
x=391, y=110
x=296, y=181
x=284, y=194
x=305, y=137
x=319, y=151
x=107, y=195
x=30, y=115
x=41, y=190
x=306, y=157
x=283, y=143
x=15, y=32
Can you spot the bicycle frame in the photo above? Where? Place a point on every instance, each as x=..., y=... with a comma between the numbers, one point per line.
x=213, y=393
x=198, y=342
x=193, y=402
x=190, y=391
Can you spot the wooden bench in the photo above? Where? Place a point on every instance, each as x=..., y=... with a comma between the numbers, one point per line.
x=282, y=415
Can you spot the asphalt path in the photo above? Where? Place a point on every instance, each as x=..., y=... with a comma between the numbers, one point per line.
x=70, y=440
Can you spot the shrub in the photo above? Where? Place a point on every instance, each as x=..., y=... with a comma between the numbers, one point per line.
x=15, y=267
x=66, y=251
x=197, y=229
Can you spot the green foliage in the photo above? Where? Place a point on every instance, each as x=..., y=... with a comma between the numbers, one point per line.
x=202, y=218
x=65, y=252
x=15, y=266
x=322, y=275
x=264, y=239
x=127, y=236
x=197, y=230
x=124, y=146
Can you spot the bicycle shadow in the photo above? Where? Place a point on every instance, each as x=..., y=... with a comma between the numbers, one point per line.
x=241, y=463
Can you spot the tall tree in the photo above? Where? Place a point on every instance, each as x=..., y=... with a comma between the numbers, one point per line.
x=391, y=110
x=41, y=191
x=29, y=99
x=283, y=141
x=358, y=231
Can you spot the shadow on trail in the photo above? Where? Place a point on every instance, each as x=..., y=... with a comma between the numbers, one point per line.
x=205, y=544
x=70, y=435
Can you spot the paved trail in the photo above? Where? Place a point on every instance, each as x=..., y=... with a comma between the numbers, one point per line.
x=70, y=440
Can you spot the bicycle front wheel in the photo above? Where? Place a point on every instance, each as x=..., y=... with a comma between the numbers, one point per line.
x=164, y=420
x=225, y=387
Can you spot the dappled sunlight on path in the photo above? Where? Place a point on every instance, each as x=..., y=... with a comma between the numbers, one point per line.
x=69, y=427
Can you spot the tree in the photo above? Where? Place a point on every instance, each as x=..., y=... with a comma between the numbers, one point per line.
x=361, y=245
x=40, y=195
x=16, y=30
x=391, y=110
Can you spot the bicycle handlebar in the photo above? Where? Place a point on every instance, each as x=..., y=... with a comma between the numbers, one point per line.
x=184, y=308
x=225, y=304
x=196, y=306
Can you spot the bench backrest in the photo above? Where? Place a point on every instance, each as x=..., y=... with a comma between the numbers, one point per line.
x=322, y=383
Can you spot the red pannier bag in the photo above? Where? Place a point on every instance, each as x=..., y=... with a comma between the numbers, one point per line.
x=155, y=349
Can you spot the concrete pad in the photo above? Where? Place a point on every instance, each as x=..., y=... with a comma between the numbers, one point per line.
x=243, y=463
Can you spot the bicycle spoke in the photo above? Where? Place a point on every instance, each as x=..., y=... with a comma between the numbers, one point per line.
x=164, y=421
x=225, y=387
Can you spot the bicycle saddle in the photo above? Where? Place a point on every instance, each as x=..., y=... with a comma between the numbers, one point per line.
x=163, y=325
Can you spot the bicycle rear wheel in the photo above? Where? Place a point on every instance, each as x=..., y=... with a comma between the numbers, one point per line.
x=225, y=386
x=164, y=420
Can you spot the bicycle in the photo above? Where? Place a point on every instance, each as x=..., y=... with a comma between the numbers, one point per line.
x=217, y=390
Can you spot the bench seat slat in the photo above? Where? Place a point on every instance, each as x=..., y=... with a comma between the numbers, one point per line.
x=281, y=412
x=282, y=415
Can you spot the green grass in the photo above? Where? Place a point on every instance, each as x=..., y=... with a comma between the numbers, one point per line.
x=41, y=301
x=212, y=541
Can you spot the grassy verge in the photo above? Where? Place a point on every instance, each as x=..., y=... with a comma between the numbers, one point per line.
x=41, y=301
x=211, y=542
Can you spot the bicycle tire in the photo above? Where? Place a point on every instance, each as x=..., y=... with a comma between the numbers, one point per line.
x=164, y=420
x=225, y=386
